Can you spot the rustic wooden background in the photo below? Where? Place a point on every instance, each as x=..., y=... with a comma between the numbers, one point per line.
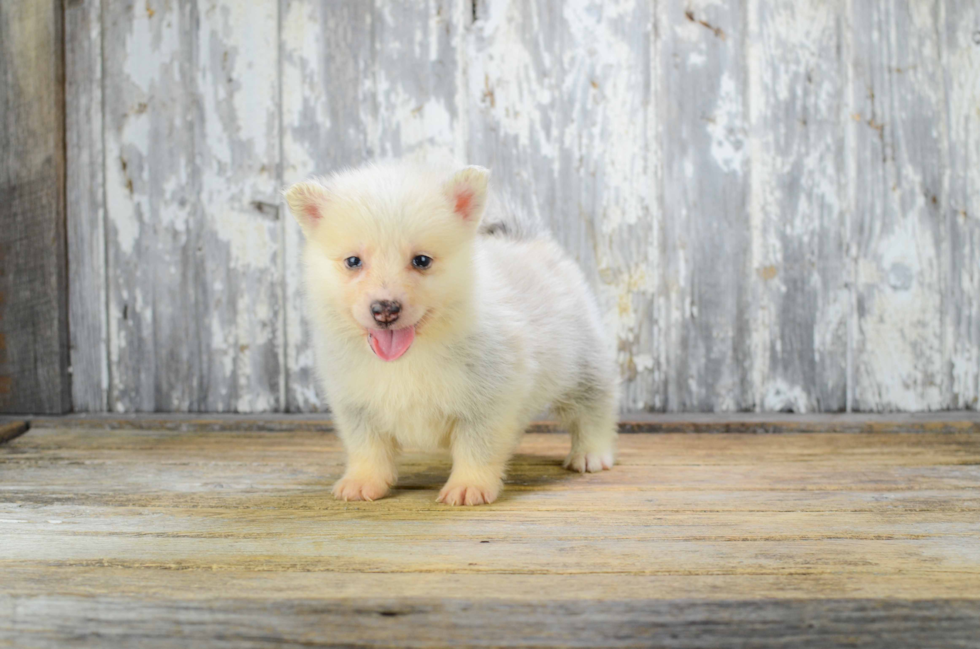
x=777, y=201
x=33, y=278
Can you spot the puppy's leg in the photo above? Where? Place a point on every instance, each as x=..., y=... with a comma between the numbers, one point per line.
x=590, y=417
x=371, y=459
x=480, y=455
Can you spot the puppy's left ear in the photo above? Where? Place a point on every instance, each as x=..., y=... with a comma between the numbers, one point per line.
x=308, y=201
x=467, y=193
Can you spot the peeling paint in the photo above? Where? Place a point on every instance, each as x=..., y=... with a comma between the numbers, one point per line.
x=689, y=156
x=726, y=126
x=900, y=342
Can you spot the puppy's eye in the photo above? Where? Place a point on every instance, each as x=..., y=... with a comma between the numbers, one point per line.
x=421, y=261
x=353, y=262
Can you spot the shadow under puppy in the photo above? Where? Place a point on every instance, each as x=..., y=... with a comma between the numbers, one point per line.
x=432, y=331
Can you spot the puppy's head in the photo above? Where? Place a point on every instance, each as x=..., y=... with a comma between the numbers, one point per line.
x=389, y=250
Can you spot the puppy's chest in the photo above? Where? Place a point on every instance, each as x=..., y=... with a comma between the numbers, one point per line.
x=418, y=429
x=417, y=417
x=414, y=405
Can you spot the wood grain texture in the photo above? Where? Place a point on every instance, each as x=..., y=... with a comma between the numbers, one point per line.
x=154, y=538
x=191, y=164
x=772, y=199
x=12, y=429
x=960, y=52
x=326, y=109
x=561, y=109
x=746, y=423
x=898, y=227
x=797, y=85
x=33, y=262
x=383, y=622
x=707, y=239
x=85, y=206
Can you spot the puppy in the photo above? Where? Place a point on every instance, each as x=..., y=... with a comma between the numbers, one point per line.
x=431, y=331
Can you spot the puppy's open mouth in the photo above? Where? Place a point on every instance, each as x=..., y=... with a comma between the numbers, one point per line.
x=391, y=344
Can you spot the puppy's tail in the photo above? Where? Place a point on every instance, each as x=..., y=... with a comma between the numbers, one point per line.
x=505, y=217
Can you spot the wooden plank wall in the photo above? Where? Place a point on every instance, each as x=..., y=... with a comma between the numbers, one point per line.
x=777, y=201
x=33, y=305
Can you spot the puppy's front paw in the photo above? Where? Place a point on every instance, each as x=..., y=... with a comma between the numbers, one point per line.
x=588, y=462
x=455, y=493
x=359, y=488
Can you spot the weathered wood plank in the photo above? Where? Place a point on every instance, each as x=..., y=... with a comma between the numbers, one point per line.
x=275, y=587
x=960, y=51
x=826, y=493
x=879, y=433
x=513, y=90
x=538, y=480
x=780, y=540
x=162, y=465
x=553, y=504
x=85, y=207
x=949, y=421
x=34, y=374
x=146, y=227
x=688, y=156
x=73, y=621
x=415, y=85
x=894, y=454
x=560, y=108
x=609, y=212
x=192, y=152
x=898, y=227
x=12, y=429
x=706, y=238
x=801, y=299
x=327, y=101
x=241, y=279
x=357, y=548
x=248, y=530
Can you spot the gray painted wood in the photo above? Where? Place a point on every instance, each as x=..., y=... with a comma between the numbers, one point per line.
x=85, y=206
x=513, y=83
x=706, y=230
x=797, y=86
x=759, y=229
x=193, y=226
x=33, y=283
x=960, y=52
x=898, y=228
x=561, y=109
x=326, y=110
x=608, y=210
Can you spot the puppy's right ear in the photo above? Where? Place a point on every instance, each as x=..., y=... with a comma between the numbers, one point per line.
x=308, y=201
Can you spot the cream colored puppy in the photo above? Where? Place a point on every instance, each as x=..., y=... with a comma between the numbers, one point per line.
x=431, y=331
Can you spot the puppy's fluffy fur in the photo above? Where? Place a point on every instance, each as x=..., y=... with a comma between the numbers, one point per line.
x=495, y=327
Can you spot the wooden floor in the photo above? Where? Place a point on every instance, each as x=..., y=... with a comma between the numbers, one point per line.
x=159, y=538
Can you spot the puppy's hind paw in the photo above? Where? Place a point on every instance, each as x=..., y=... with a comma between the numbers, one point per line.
x=588, y=462
x=348, y=489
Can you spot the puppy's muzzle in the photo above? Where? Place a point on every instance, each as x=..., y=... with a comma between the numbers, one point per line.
x=385, y=312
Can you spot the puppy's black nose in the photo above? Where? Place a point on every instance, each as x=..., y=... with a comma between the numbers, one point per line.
x=385, y=311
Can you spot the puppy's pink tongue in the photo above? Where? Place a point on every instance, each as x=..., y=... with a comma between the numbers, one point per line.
x=390, y=344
